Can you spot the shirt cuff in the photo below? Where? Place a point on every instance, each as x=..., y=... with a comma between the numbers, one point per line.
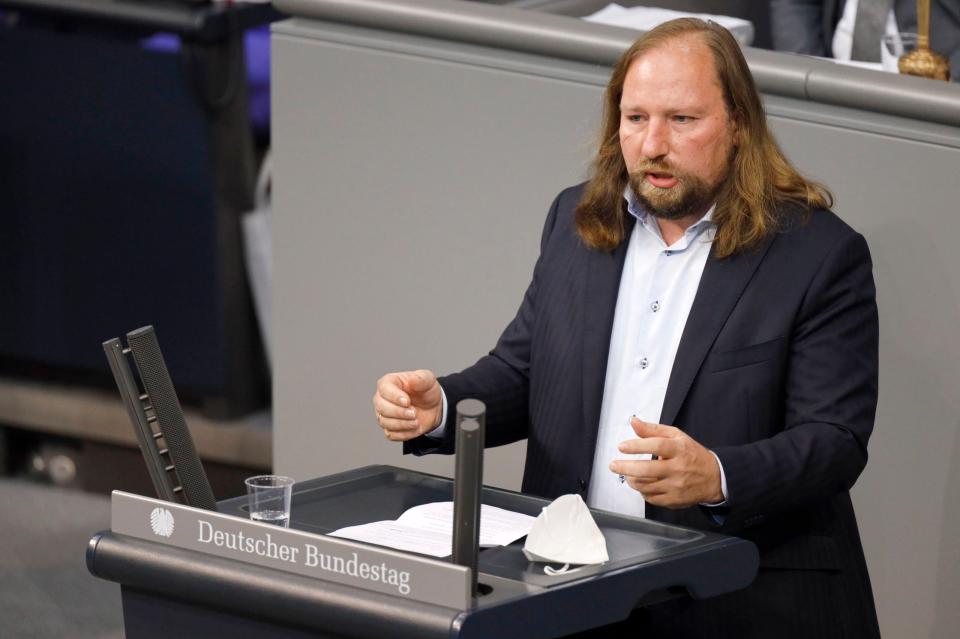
x=437, y=433
x=723, y=483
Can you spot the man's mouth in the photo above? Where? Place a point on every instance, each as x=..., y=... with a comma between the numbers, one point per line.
x=661, y=179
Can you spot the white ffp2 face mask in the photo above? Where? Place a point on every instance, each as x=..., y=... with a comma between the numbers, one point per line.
x=565, y=533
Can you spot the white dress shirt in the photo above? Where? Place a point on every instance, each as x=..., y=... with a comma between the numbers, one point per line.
x=842, y=45
x=657, y=288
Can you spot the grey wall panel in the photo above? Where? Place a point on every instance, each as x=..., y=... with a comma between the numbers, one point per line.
x=411, y=173
x=404, y=186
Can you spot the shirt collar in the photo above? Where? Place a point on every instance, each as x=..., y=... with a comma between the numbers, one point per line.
x=703, y=227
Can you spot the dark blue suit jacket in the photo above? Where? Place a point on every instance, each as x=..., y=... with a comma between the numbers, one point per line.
x=776, y=372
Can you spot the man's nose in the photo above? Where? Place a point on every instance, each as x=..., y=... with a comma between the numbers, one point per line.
x=656, y=141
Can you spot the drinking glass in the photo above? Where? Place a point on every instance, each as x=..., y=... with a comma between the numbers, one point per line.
x=268, y=497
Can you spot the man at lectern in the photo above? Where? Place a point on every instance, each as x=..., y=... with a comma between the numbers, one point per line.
x=694, y=301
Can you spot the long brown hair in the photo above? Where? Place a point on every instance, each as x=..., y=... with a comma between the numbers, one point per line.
x=760, y=177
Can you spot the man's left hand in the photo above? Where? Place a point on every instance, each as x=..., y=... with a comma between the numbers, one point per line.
x=685, y=474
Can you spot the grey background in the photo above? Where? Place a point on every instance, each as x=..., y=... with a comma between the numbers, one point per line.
x=412, y=178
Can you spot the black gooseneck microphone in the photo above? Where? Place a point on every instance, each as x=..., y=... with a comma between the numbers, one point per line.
x=467, y=486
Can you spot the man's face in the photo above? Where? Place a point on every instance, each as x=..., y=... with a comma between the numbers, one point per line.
x=675, y=133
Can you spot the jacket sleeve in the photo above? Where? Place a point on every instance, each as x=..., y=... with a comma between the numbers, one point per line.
x=830, y=396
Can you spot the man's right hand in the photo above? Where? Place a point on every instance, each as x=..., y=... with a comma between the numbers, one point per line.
x=408, y=404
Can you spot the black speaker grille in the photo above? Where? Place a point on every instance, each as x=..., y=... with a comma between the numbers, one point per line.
x=156, y=381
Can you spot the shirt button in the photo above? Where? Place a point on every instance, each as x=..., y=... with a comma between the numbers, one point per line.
x=655, y=306
x=644, y=362
x=668, y=253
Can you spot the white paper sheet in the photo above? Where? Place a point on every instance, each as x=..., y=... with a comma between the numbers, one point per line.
x=428, y=529
x=646, y=18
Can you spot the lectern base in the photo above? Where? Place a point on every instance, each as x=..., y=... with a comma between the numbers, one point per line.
x=146, y=616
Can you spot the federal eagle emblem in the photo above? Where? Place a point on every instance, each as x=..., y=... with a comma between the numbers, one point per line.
x=161, y=522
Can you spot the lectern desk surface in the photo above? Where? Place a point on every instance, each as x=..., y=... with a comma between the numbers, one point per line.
x=649, y=561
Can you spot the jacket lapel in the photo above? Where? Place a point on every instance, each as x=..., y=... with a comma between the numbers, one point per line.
x=600, y=302
x=720, y=287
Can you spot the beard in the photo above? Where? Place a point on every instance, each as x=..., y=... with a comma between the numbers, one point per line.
x=691, y=194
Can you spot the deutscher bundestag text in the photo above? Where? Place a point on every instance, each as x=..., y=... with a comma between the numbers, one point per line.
x=265, y=546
